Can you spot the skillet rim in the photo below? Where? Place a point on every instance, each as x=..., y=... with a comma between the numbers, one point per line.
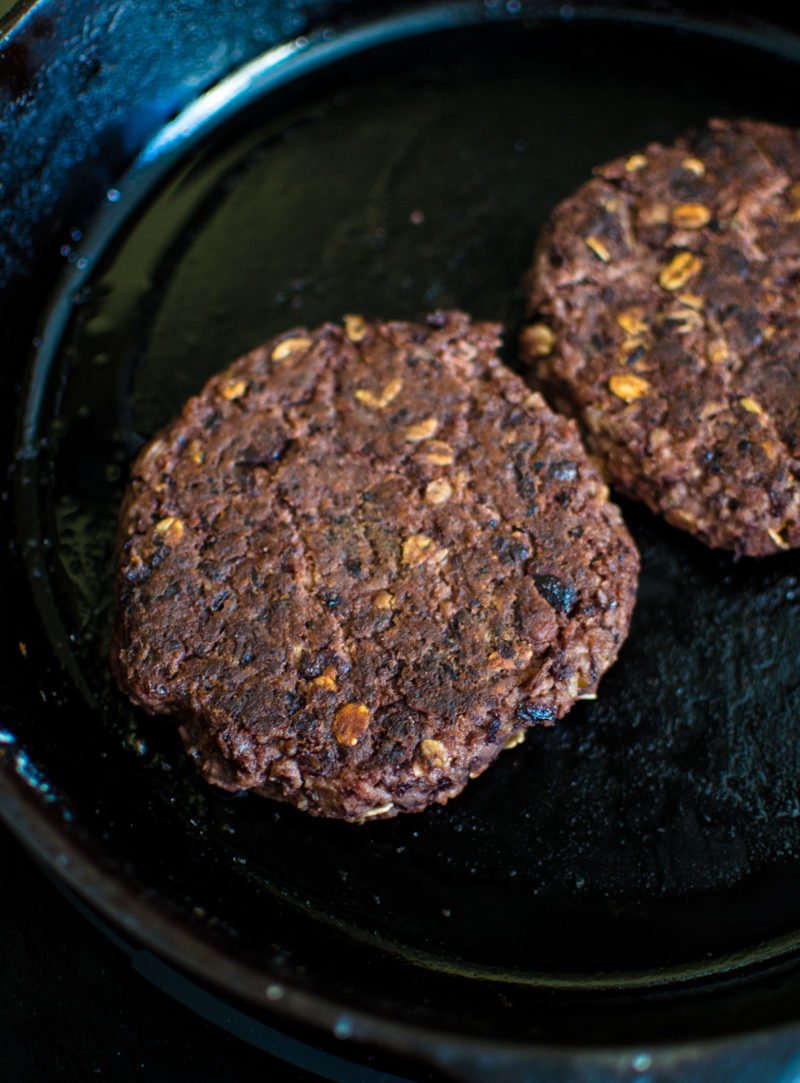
x=168, y=938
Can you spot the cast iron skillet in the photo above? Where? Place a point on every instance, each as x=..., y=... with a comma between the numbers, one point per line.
x=617, y=898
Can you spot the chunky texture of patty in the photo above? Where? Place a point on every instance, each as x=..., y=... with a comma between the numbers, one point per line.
x=666, y=299
x=361, y=561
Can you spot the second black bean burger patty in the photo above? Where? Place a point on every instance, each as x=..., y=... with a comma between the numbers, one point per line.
x=665, y=314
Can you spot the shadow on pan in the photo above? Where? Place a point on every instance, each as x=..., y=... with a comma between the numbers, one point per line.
x=623, y=886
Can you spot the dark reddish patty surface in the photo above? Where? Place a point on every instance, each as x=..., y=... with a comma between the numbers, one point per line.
x=665, y=308
x=360, y=562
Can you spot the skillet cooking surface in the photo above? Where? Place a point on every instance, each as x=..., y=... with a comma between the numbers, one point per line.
x=651, y=838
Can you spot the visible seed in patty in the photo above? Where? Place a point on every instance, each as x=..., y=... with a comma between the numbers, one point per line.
x=289, y=346
x=415, y=548
x=170, y=528
x=539, y=339
x=434, y=752
x=350, y=723
x=355, y=328
x=599, y=249
x=389, y=393
x=690, y=216
x=679, y=270
x=326, y=680
x=628, y=387
x=632, y=323
x=233, y=389
x=437, y=453
x=422, y=430
x=438, y=491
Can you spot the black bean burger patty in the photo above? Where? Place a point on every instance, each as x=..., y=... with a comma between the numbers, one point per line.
x=665, y=308
x=363, y=560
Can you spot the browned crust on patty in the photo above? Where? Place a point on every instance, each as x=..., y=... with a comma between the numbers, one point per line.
x=360, y=561
x=666, y=317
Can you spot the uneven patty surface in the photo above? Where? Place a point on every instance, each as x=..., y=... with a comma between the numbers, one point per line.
x=665, y=299
x=362, y=560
